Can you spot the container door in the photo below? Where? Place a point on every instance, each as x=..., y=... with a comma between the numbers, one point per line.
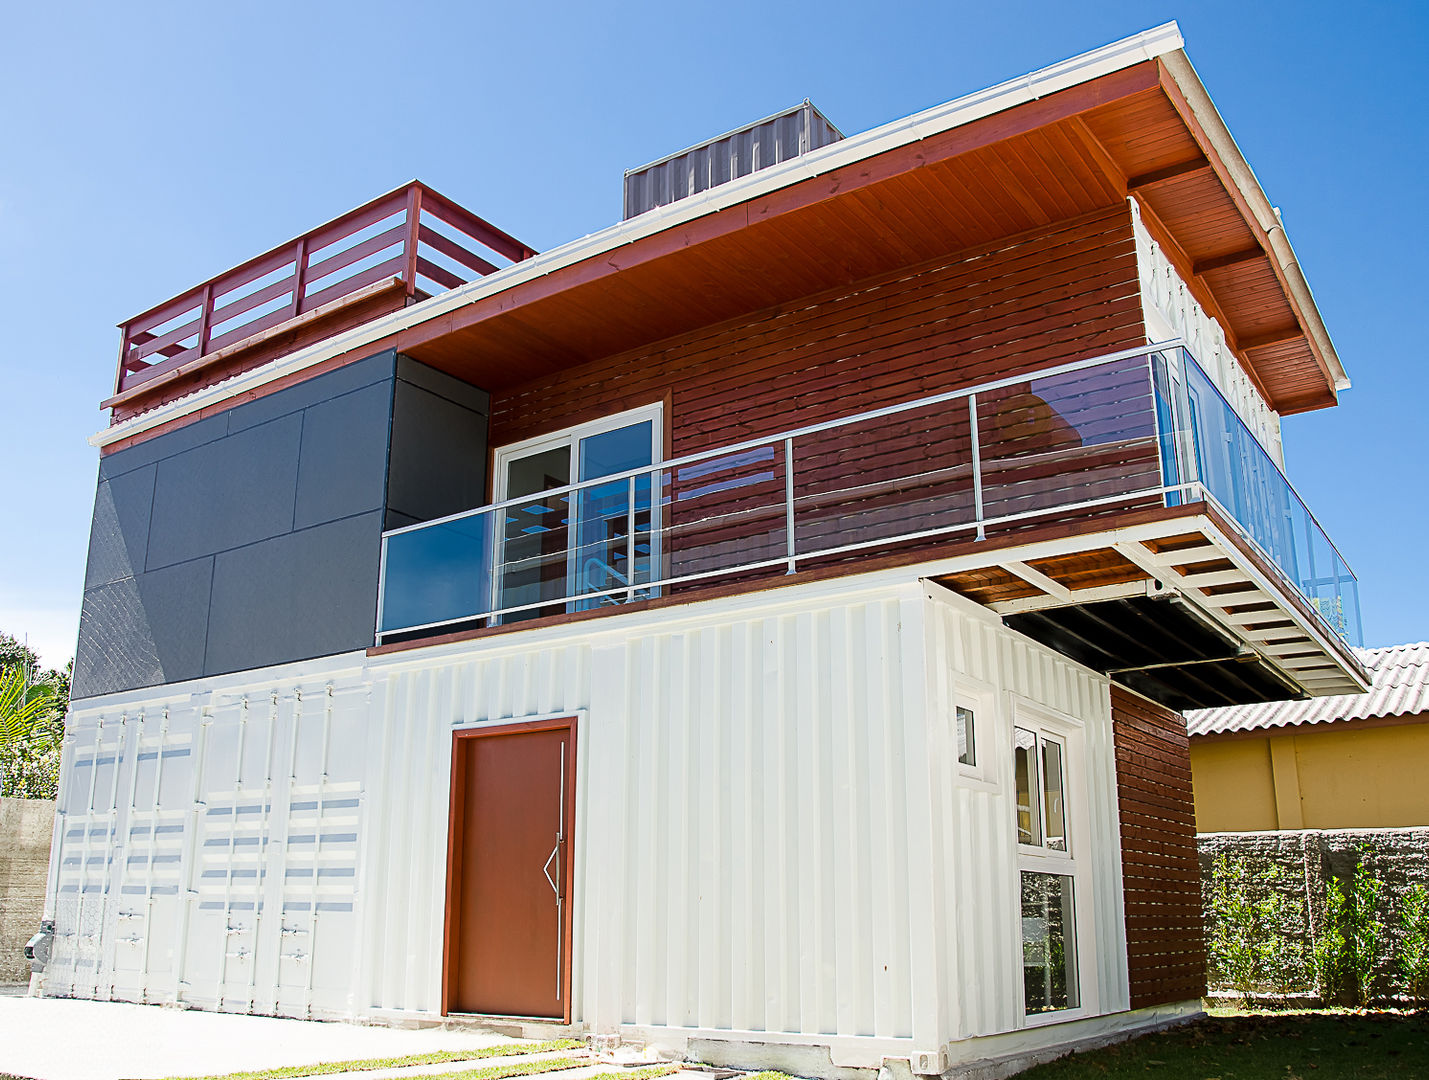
x=508, y=914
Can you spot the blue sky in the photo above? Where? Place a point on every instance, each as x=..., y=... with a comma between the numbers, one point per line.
x=150, y=146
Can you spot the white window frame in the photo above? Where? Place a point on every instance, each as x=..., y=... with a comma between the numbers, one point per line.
x=982, y=699
x=571, y=438
x=1074, y=863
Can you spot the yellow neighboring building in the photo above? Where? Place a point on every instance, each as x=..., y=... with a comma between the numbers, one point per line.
x=1352, y=762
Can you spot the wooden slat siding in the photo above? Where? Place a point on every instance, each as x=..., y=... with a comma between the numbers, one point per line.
x=1066, y=293
x=1160, y=875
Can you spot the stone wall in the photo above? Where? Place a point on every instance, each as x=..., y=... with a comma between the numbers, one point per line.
x=1310, y=858
x=25, y=830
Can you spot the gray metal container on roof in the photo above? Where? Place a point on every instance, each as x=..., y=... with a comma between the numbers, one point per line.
x=737, y=153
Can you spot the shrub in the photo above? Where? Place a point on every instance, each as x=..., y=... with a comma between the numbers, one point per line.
x=1414, y=944
x=1349, y=944
x=1245, y=922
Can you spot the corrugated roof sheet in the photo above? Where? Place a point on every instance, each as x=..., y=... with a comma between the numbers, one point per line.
x=1399, y=686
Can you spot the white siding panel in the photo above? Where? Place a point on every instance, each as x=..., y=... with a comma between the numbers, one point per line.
x=772, y=830
x=969, y=652
x=760, y=825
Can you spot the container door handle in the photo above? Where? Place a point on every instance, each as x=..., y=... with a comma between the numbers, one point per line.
x=546, y=869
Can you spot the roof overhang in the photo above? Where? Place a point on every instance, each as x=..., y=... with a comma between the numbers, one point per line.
x=1069, y=140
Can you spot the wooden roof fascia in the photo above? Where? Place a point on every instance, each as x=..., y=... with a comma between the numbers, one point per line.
x=1203, y=294
x=1188, y=95
x=1020, y=119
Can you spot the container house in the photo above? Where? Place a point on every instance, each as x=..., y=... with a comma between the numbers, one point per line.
x=759, y=629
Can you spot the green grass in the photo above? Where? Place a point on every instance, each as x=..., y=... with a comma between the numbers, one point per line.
x=436, y=1057
x=516, y=1068
x=649, y=1072
x=1233, y=1045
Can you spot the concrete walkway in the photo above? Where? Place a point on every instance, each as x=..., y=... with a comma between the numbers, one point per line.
x=59, y=1039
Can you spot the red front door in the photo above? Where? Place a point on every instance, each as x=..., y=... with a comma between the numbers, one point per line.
x=509, y=858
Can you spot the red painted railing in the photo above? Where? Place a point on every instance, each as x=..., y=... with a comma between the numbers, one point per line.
x=413, y=238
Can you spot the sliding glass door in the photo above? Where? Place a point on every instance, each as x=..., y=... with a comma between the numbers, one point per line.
x=584, y=548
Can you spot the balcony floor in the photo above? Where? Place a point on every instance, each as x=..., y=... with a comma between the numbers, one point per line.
x=1170, y=602
x=1182, y=610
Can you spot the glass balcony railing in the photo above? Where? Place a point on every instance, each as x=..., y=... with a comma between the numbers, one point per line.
x=1205, y=442
x=1076, y=441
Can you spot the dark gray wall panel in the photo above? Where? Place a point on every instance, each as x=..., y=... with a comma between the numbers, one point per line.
x=438, y=464
x=344, y=456
x=225, y=494
x=165, y=445
x=444, y=385
x=145, y=630
x=323, y=387
x=177, y=602
x=309, y=593
x=119, y=532
x=115, y=650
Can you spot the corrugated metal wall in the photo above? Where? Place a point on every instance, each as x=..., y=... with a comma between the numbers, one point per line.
x=1004, y=677
x=727, y=157
x=772, y=832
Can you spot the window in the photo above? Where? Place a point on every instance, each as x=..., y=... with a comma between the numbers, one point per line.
x=966, y=723
x=1041, y=815
x=1049, y=949
x=1047, y=871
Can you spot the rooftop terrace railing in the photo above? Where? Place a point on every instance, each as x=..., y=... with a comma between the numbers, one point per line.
x=412, y=237
x=1079, y=440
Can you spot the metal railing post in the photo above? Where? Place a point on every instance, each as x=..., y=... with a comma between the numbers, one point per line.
x=789, y=506
x=977, y=467
x=630, y=542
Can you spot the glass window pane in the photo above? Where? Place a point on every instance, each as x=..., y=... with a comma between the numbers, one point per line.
x=616, y=451
x=606, y=555
x=1053, y=812
x=967, y=739
x=1025, y=758
x=1049, y=951
x=535, y=532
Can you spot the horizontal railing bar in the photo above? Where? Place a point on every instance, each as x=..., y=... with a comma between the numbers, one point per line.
x=173, y=337
x=181, y=305
x=327, y=236
x=143, y=372
x=370, y=246
x=454, y=251
x=254, y=299
x=390, y=268
x=802, y=432
x=782, y=560
x=440, y=274
x=475, y=226
x=249, y=328
x=227, y=284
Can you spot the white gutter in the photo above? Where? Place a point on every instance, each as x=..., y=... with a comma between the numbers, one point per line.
x=1128, y=52
x=1178, y=66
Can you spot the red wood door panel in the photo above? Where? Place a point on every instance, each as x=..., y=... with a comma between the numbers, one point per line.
x=508, y=915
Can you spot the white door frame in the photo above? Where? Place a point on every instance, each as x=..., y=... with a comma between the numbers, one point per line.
x=571, y=438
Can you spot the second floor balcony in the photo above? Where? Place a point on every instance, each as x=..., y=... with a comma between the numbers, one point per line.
x=1029, y=485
